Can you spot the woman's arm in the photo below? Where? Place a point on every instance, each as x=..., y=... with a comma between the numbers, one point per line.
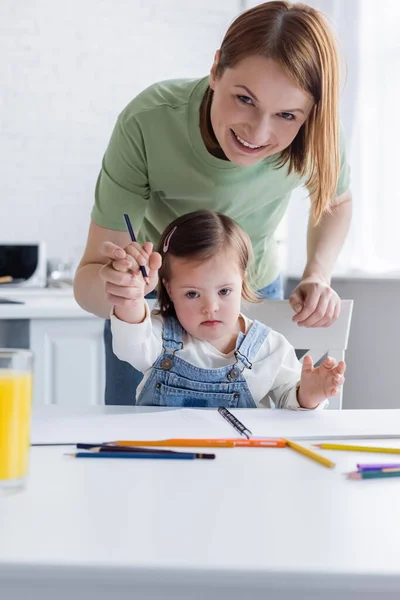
x=316, y=304
x=325, y=241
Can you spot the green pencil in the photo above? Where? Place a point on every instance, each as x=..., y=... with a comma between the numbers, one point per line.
x=374, y=474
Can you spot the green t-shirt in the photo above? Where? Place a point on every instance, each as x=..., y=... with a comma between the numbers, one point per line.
x=156, y=168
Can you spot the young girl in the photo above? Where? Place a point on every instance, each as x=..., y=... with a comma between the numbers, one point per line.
x=198, y=349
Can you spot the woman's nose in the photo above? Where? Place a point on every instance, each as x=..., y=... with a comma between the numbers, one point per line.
x=261, y=132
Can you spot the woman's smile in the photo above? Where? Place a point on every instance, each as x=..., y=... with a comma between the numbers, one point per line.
x=245, y=146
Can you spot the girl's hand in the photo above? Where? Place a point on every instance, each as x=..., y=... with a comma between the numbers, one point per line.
x=124, y=283
x=320, y=383
x=315, y=303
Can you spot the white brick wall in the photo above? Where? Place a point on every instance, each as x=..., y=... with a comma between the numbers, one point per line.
x=66, y=70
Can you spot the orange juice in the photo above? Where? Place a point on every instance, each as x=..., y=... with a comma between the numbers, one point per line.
x=15, y=416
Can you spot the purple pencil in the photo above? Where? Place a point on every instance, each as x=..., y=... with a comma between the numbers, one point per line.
x=377, y=467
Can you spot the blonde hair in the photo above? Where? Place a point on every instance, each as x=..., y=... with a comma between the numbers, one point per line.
x=199, y=236
x=299, y=39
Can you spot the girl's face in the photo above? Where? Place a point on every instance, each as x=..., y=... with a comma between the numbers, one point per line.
x=207, y=298
x=256, y=109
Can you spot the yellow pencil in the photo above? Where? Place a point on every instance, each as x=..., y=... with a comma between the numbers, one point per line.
x=352, y=448
x=310, y=454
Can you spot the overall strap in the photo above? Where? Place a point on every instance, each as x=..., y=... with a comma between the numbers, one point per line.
x=248, y=344
x=172, y=334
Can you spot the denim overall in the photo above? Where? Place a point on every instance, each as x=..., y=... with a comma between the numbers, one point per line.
x=175, y=382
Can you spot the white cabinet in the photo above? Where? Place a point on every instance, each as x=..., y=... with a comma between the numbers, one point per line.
x=67, y=343
x=69, y=361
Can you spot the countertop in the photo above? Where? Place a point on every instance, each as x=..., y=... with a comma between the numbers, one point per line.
x=41, y=303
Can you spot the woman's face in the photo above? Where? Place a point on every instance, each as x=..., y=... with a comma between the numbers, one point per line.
x=256, y=109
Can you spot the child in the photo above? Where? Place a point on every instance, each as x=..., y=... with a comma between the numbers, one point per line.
x=198, y=349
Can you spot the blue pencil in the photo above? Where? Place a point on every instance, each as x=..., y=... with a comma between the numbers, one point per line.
x=133, y=239
x=175, y=456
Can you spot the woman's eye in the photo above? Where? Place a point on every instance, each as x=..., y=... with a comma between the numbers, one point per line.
x=287, y=116
x=191, y=294
x=225, y=292
x=245, y=99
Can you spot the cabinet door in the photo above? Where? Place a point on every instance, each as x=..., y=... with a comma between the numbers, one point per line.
x=69, y=361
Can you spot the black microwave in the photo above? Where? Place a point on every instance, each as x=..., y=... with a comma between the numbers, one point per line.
x=23, y=264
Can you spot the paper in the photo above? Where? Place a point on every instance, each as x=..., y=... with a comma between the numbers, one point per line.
x=195, y=423
x=167, y=423
x=321, y=424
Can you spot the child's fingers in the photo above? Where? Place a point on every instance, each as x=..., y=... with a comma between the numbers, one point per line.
x=329, y=362
x=155, y=262
x=148, y=248
x=122, y=266
x=307, y=364
x=137, y=256
x=339, y=369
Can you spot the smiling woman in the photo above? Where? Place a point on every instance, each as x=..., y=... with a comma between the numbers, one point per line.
x=264, y=122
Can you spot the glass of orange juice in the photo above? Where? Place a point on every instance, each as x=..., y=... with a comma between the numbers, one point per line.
x=16, y=367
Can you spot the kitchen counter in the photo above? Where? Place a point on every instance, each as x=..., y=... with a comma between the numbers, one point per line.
x=44, y=303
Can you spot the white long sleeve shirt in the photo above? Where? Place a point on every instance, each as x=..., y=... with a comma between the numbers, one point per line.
x=275, y=369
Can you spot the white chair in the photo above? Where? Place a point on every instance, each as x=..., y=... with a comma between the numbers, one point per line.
x=318, y=342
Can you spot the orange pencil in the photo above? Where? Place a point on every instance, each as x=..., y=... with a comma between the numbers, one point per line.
x=206, y=443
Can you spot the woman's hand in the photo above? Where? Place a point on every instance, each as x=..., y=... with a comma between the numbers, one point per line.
x=317, y=384
x=315, y=303
x=125, y=286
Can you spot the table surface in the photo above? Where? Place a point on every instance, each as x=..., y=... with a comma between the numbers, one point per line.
x=259, y=518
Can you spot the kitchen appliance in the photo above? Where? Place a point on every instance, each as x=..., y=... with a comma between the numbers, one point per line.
x=25, y=262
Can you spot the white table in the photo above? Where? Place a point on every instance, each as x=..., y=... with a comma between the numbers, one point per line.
x=254, y=523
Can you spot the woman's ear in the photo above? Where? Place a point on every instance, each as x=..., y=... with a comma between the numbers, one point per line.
x=213, y=72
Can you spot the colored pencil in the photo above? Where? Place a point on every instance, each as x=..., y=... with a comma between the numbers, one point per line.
x=205, y=443
x=351, y=448
x=139, y=455
x=310, y=454
x=127, y=449
x=133, y=239
x=111, y=448
x=374, y=474
x=377, y=467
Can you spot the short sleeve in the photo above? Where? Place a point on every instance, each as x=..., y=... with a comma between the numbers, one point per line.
x=122, y=185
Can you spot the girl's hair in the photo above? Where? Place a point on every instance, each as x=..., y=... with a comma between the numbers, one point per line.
x=199, y=236
x=298, y=38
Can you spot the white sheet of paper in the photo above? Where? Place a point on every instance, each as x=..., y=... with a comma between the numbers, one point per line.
x=186, y=422
x=193, y=423
x=321, y=424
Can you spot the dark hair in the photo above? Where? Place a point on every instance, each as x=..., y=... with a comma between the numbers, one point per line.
x=199, y=236
x=298, y=38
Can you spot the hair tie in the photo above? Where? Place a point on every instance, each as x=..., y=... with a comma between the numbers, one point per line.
x=167, y=240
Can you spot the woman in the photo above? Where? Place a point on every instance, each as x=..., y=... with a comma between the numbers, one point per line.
x=239, y=142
